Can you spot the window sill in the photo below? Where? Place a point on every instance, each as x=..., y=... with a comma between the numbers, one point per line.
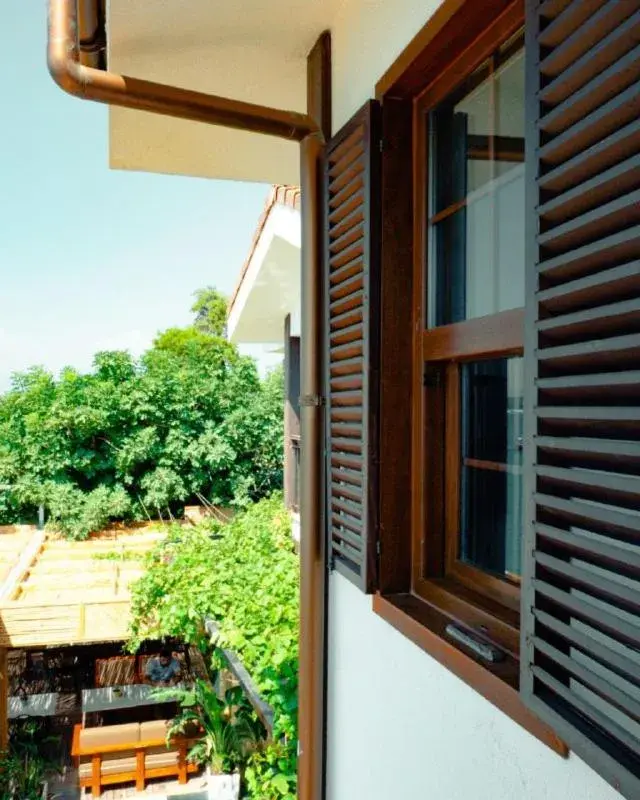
x=424, y=626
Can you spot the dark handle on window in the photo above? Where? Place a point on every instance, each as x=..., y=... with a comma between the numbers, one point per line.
x=480, y=648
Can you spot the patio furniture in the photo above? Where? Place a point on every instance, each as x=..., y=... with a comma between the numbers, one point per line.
x=113, y=698
x=116, y=671
x=33, y=705
x=129, y=753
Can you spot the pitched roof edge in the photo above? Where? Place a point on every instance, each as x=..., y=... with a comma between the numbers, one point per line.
x=280, y=194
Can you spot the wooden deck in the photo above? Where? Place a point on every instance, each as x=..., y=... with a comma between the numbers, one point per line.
x=75, y=592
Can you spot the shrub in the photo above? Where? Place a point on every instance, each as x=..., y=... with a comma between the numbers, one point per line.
x=245, y=576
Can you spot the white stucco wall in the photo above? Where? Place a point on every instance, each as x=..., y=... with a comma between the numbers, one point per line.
x=401, y=727
x=366, y=38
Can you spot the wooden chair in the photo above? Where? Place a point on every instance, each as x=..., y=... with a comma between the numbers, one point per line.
x=116, y=671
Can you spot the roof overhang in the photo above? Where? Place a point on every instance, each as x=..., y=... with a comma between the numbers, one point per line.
x=248, y=50
x=269, y=286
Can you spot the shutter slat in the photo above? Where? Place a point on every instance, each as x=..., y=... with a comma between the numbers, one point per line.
x=594, y=648
x=352, y=189
x=620, y=144
x=604, y=120
x=580, y=655
x=349, y=476
x=602, y=220
x=597, y=447
x=581, y=510
x=600, y=319
x=584, y=579
x=590, y=193
x=583, y=707
x=567, y=21
x=621, y=246
x=587, y=610
x=623, y=700
x=576, y=59
x=598, y=90
x=347, y=536
x=611, y=482
x=608, y=551
x=590, y=413
x=603, y=287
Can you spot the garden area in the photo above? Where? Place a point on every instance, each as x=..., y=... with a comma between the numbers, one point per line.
x=225, y=593
x=133, y=444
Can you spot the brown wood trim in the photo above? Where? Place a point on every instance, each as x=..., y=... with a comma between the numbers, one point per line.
x=452, y=466
x=494, y=466
x=449, y=211
x=502, y=590
x=418, y=443
x=460, y=67
x=396, y=347
x=403, y=613
x=500, y=334
x=313, y=556
x=450, y=30
x=474, y=610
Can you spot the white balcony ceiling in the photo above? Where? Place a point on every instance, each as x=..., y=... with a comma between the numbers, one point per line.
x=250, y=50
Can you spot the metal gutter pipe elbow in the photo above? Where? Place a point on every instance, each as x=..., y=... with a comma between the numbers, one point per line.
x=64, y=60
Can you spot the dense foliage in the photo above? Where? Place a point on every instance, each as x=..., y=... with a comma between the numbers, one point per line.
x=244, y=576
x=141, y=438
x=29, y=761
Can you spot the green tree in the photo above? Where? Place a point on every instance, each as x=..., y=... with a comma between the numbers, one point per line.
x=210, y=308
x=132, y=438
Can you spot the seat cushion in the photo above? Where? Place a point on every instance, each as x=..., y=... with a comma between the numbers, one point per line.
x=110, y=767
x=153, y=730
x=154, y=760
x=110, y=735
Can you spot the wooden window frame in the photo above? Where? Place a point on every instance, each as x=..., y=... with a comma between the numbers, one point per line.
x=438, y=575
x=421, y=609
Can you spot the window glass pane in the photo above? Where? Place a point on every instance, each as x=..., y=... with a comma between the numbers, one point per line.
x=491, y=465
x=477, y=195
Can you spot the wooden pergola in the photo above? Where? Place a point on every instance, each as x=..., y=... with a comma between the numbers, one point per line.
x=57, y=593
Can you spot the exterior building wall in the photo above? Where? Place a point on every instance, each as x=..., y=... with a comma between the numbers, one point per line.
x=402, y=727
x=399, y=725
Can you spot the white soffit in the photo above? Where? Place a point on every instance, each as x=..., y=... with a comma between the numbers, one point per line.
x=249, y=50
x=270, y=287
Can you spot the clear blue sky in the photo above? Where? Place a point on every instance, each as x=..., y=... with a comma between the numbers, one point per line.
x=92, y=258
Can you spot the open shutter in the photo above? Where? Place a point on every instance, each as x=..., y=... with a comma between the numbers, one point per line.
x=581, y=592
x=352, y=278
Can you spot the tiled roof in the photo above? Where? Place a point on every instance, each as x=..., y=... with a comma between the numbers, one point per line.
x=282, y=195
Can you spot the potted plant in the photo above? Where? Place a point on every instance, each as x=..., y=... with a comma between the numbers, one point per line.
x=224, y=732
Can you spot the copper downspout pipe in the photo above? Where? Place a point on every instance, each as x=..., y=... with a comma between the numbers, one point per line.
x=63, y=55
x=313, y=574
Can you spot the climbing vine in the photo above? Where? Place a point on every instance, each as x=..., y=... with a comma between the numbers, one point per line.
x=245, y=576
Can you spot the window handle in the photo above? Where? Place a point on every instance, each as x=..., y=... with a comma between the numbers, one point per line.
x=481, y=648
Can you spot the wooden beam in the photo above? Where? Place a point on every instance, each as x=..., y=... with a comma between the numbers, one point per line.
x=4, y=699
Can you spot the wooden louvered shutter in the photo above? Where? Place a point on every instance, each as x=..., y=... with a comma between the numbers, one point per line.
x=352, y=255
x=581, y=590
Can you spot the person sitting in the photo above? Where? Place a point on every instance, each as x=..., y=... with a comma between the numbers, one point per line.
x=163, y=669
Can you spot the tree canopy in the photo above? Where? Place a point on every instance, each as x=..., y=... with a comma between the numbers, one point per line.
x=137, y=438
x=210, y=308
